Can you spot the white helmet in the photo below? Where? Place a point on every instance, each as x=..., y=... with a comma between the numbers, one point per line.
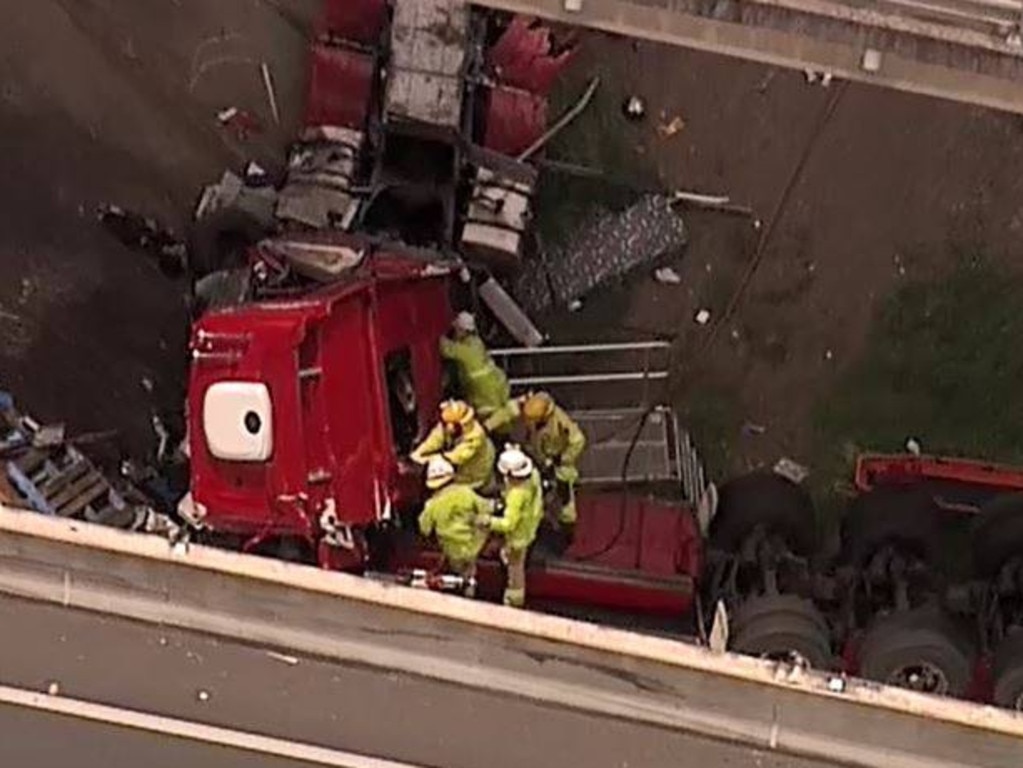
x=465, y=322
x=513, y=462
x=438, y=472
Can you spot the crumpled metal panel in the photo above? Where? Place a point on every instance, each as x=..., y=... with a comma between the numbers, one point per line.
x=514, y=120
x=522, y=57
x=358, y=20
x=610, y=246
x=340, y=86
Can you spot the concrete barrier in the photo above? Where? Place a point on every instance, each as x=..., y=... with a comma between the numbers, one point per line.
x=555, y=661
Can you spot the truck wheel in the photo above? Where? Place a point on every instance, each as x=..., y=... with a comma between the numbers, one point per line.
x=905, y=518
x=1008, y=672
x=921, y=650
x=776, y=626
x=998, y=534
x=764, y=499
x=219, y=239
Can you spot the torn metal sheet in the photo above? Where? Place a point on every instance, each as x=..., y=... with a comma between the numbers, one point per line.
x=428, y=42
x=608, y=247
x=321, y=173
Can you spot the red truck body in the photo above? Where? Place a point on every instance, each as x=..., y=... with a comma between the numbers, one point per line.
x=322, y=459
x=323, y=360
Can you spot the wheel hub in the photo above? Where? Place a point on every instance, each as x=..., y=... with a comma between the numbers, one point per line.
x=923, y=677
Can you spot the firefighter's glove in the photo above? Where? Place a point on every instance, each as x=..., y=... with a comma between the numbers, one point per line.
x=566, y=474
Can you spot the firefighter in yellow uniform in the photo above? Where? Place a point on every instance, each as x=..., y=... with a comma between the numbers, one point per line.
x=523, y=512
x=460, y=439
x=484, y=385
x=451, y=513
x=554, y=438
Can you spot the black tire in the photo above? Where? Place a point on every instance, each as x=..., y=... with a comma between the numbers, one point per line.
x=764, y=499
x=907, y=519
x=217, y=240
x=775, y=626
x=998, y=534
x=922, y=650
x=1008, y=672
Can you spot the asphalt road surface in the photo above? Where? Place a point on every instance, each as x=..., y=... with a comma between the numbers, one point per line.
x=112, y=673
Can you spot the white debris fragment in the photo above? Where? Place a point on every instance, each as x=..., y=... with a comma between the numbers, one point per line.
x=702, y=317
x=573, y=6
x=913, y=446
x=203, y=695
x=147, y=384
x=291, y=661
x=227, y=115
x=163, y=641
x=757, y=224
x=53, y=688
x=871, y=60
x=791, y=470
x=667, y=276
x=811, y=76
x=828, y=354
x=826, y=79
x=575, y=305
x=836, y=684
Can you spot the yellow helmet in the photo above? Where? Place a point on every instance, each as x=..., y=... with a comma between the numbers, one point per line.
x=454, y=412
x=538, y=406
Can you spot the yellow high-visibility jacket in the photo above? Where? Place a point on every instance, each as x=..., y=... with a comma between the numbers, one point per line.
x=471, y=453
x=451, y=513
x=523, y=513
x=484, y=385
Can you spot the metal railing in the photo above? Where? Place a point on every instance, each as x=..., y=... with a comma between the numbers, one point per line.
x=616, y=392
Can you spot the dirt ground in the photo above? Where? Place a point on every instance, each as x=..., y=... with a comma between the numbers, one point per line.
x=114, y=100
x=894, y=187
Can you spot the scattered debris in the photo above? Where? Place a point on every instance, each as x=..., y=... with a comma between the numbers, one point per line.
x=255, y=174
x=702, y=317
x=53, y=688
x=826, y=79
x=271, y=94
x=147, y=384
x=240, y=123
x=811, y=75
x=670, y=128
x=291, y=661
x=913, y=446
x=791, y=470
x=575, y=306
x=871, y=60
x=667, y=276
x=142, y=233
x=509, y=313
x=836, y=684
x=750, y=428
x=634, y=108
x=828, y=354
x=203, y=695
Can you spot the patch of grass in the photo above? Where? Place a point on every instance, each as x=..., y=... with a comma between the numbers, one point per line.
x=599, y=139
x=711, y=414
x=944, y=365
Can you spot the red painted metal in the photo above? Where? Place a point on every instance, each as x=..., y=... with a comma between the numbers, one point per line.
x=340, y=87
x=522, y=57
x=360, y=21
x=514, y=120
x=630, y=554
x=887, y=469
x=332, y=434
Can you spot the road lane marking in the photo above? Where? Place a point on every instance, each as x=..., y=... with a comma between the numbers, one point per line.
x=192, y=731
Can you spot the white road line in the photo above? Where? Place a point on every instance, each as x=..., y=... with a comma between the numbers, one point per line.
x=186, y=729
